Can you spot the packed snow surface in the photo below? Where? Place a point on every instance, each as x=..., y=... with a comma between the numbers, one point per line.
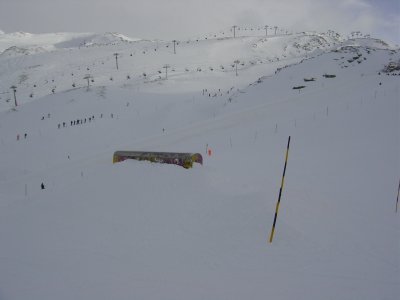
x=140, y=230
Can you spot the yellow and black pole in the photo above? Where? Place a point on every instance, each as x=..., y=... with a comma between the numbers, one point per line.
x=398, y=191
x=280, y=193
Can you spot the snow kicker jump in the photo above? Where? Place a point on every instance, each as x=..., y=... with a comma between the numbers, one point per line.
x=185, y=160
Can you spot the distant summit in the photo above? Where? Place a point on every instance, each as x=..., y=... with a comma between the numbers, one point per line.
x=108, y=38
x=20, y=34
x=52, y=41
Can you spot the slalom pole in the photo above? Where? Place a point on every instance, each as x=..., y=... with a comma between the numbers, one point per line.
x=280, y=193
x=398, y=191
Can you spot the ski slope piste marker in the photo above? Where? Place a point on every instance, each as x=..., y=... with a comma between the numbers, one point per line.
x=280, y=193
x=398, y=192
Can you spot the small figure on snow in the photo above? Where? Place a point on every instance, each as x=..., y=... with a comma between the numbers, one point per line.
x=42, y=186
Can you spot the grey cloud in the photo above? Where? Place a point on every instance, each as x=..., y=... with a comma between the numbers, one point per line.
x=184, y=18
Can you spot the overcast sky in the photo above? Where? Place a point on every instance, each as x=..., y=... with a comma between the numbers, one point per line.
x=170, y=19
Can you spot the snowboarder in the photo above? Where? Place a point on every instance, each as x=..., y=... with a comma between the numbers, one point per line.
x=42, y=186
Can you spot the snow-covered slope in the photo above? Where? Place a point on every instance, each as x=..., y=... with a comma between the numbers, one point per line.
x=195, y=64
x=140, y=230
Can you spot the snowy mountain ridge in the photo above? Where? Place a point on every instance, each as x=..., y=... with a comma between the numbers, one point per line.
x=73, y=56
x=53, y=41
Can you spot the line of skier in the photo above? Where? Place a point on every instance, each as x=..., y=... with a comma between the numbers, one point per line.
x=216, y=93
x=80, y=121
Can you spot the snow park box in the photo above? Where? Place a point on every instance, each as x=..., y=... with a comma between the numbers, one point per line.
x=185, y=160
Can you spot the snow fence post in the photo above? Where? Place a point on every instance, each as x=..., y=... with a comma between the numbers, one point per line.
x=116, y=59
x=14, y=88
x=280, y=193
